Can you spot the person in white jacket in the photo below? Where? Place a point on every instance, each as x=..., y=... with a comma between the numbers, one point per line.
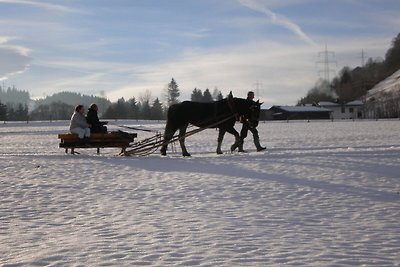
x=78, y=124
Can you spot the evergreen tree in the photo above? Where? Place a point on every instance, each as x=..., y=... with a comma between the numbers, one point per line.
x=196, y=95
x=121, y=109
x=133, y=109
x=14, y=96
x=172, y=93
x=145, y=109
x=21, y=112
x=110, y=112
x=217, y=94
x=10, y=112
x=156, y=110
x=207, y=96
x=3, y=112
x=118, y=110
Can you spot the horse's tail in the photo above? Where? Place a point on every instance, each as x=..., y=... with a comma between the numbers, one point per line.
x=170, y=127
x=171, y=124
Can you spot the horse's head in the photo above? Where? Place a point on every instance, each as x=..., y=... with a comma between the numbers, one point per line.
x=253, y=116
x=247, y=110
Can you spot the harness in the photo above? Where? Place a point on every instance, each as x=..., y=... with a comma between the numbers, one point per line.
x=232, y=107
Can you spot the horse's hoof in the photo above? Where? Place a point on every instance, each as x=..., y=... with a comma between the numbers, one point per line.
x=219, y=152
x=163, y=152
x=186, y=154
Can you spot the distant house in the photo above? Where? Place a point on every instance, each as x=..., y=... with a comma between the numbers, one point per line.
x=350, y=110
x=266, y=115
x=299, y=113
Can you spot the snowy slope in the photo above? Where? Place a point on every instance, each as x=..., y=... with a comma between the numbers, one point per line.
x=390, y=85
x=323, y=194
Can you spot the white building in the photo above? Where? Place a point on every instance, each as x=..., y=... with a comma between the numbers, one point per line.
x=350, y=110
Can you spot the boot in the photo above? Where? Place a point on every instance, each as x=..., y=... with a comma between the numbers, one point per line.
x=240, y=146
x=234, y=146
x=258, y=146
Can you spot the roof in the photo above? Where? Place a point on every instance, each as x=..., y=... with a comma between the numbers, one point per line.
x=355, y=103
x=303, y=109
x=331, y=104
x=327, y=104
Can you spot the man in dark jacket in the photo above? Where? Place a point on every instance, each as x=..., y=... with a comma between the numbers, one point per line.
x=245, y=128
x=92, y=118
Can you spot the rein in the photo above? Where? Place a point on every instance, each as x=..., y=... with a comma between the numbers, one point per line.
x=135, y=128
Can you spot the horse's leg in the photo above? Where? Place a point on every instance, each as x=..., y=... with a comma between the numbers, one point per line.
x=168, y=134
x=182, y=132
x=221, y=134
x=237, y=138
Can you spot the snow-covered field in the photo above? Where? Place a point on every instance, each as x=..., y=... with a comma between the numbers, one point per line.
x=323, y=194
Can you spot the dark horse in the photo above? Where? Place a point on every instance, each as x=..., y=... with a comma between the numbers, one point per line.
x=220, y=114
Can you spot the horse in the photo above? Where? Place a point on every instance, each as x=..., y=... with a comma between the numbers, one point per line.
x=220, y=114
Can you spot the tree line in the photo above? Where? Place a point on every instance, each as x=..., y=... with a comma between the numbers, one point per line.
x=13, y=104
x=60, y=106
x=145, y=108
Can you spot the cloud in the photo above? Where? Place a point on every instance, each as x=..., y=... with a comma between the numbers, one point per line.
x=43, y=5
x=282, y=70
x=278, y=19
x=14, y=59
x=279, y=69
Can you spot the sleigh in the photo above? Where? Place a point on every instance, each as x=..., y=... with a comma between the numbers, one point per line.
x=120, y=140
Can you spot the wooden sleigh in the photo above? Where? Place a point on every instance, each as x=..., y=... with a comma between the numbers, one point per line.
x=97, y=140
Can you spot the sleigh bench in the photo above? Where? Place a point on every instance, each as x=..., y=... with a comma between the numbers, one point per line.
x=96, y=140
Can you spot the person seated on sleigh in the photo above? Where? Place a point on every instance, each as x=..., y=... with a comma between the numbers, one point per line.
x=78, y=124
x=92, y=118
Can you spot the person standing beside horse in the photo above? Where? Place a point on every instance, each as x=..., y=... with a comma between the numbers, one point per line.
x=247, y=127
x=78, y=124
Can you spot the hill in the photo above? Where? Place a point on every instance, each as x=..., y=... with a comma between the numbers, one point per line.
x=74, y=99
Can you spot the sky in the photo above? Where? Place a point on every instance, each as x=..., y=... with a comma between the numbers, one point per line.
x=133, y=48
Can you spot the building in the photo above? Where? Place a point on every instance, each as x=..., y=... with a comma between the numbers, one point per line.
x=350, y=110
x=300, y=113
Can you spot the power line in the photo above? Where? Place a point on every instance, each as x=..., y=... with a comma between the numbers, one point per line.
x=363, y=55
x=257, y=88
x=327, y=62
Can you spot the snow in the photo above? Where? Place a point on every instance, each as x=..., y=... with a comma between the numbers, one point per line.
x=303, y=109
x=331, y=104
x=390, y=85
x=323, y=194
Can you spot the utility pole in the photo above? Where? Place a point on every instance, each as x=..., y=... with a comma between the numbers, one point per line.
x=257, y=88
x=326, y=62
x=363, y=55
